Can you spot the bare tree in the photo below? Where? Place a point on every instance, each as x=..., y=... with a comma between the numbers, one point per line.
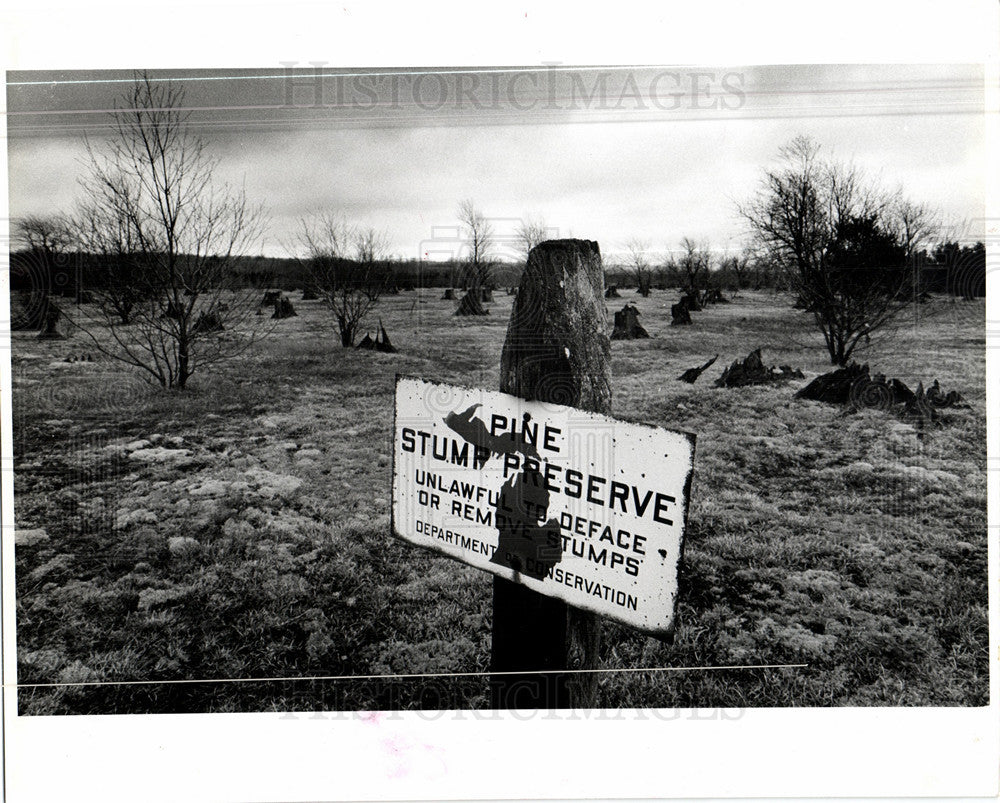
x=109, y=241
x=690, y=268
x=530, y=233
x=637, y=262
x=151, y=188
x=349, y=287
x=734, y=267
x=737, y=268
x=478, y=231
x=46, y=234
x=913, y=224
x=838, y=237
x=44, y=240
x=370, y=245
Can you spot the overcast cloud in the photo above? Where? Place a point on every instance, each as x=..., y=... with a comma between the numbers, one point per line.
x=606, y=154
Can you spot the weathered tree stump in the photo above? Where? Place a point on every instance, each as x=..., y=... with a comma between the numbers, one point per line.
x=692, y=301
x=714, y=296
x=270, y=298
x=835, y=386
x=627, y=326
x=382, y=342
x=939, y=399
x=310, y=295
x=208, y=323
x=367, y=344
x=471, y=305
x=49, y=330
x=919, y=409
x=283, y=308
x=680, y=315
x=752, y=371
x=612, y=291
x=449, y=294
x=173, y=310
x=556, y=350
x=856, y=387
x=901, y=394
x=691, y=374
x=872, y=392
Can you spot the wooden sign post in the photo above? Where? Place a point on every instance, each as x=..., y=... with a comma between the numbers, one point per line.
x=576, y=514
x=557, y=350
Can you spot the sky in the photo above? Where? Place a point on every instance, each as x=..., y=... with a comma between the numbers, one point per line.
x=615, y=154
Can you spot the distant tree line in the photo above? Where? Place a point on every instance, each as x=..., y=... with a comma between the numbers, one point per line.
x=72, y=272
x=948, y=268
x=952, y=268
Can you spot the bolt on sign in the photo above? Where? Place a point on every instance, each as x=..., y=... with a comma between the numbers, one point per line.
x=572, y=504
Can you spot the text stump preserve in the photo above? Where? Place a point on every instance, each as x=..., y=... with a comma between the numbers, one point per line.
x=574, y=505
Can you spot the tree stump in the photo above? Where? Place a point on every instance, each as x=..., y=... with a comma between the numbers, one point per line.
x=855, y=386
x=49, y=330
x=173, y=310
x=208, y=323
x=680, y=315
x=901, y=394
x=382, y=342
x=471, y=305
x=835, y=387
x=752, y=371
x=556, y=350
x=691, y=374
x=919, y=409
x=449, y=295
x=872, y=392
x=283, y=308
x=612, y=291
x=309, y=295
x=627, y=326
x=691, y=301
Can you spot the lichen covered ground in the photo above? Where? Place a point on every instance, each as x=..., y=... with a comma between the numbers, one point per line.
x=240, y=529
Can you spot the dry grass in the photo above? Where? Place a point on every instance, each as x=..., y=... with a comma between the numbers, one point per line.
x=849, y=542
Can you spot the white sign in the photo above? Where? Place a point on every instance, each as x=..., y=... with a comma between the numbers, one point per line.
x=572, y=504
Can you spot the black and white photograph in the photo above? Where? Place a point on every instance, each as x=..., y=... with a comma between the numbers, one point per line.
x=414, y=391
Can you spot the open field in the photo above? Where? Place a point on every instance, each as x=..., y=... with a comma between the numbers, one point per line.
x=847, y=541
